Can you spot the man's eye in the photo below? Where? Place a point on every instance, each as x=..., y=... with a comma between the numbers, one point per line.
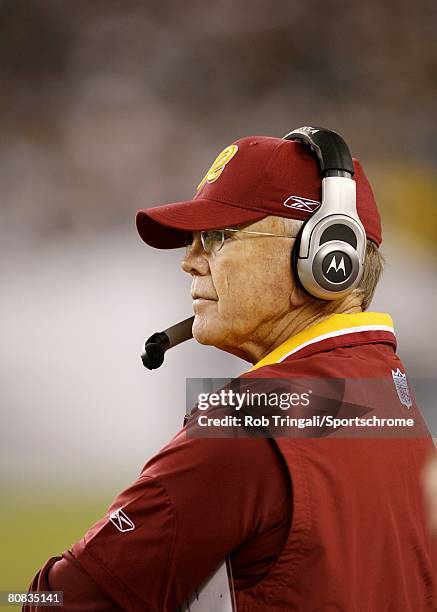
x=214, y=236
x=212, y=240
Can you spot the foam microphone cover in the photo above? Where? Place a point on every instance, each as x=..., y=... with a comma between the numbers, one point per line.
x=153, y=355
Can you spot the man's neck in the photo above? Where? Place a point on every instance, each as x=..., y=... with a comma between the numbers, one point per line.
x=296, y=321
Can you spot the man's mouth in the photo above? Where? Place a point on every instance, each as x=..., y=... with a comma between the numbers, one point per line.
x=200, y=302
x=195, y=297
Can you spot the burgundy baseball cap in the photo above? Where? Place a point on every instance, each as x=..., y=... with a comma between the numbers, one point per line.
x=252, y=178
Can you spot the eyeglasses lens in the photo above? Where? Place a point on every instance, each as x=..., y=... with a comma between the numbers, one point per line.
x=212, y=240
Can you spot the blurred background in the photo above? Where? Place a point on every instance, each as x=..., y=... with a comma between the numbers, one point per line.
x=110, y=106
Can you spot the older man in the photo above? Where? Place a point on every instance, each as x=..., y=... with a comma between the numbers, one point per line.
x=333, y=523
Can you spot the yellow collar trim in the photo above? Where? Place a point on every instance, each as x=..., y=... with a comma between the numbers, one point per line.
x=336, y=325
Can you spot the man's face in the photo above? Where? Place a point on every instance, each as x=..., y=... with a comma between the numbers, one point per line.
x=242, y=292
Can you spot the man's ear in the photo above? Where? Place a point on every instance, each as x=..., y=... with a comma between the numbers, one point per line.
x=297, y=297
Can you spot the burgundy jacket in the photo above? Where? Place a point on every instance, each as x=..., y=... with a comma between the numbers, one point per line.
x=332, y=523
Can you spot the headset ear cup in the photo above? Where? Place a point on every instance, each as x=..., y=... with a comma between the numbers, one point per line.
x=295, y=260
x=295, y=255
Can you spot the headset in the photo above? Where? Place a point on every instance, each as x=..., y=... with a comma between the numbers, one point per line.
x=328, y=254
x=329, y=251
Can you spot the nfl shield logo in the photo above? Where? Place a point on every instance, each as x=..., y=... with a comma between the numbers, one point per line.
x=401, y=385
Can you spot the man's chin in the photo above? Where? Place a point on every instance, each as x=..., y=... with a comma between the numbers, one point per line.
x=212, y=334
x=204, y=331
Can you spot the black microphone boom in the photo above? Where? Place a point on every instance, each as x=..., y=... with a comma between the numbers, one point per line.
x=159, y=342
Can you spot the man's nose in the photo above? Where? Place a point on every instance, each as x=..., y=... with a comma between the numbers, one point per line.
x=195, y=261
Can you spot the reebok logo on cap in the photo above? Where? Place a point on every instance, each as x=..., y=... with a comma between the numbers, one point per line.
x=301, y=203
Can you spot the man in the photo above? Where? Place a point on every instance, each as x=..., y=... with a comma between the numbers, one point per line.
x=430, y=492
x=332, y=523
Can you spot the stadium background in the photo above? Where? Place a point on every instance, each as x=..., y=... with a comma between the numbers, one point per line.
x=110, y=106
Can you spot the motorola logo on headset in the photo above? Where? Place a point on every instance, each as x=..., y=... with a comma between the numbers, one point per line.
x=337, y=267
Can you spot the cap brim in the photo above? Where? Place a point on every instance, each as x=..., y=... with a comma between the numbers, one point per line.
x=164, y=227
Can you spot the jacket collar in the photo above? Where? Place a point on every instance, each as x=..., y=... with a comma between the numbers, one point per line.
x=335, y=331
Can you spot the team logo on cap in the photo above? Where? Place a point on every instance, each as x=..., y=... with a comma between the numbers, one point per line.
x=219, y=165
x=304, y=204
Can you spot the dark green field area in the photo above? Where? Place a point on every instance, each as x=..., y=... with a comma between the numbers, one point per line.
x=35, y=526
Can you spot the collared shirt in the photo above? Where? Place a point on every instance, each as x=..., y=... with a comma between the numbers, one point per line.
x=200, y=500
x=338, y=330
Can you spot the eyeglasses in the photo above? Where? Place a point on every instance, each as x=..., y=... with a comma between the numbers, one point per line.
x=213, y=240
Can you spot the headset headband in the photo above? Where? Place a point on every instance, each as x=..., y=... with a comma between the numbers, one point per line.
x=330, y=148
